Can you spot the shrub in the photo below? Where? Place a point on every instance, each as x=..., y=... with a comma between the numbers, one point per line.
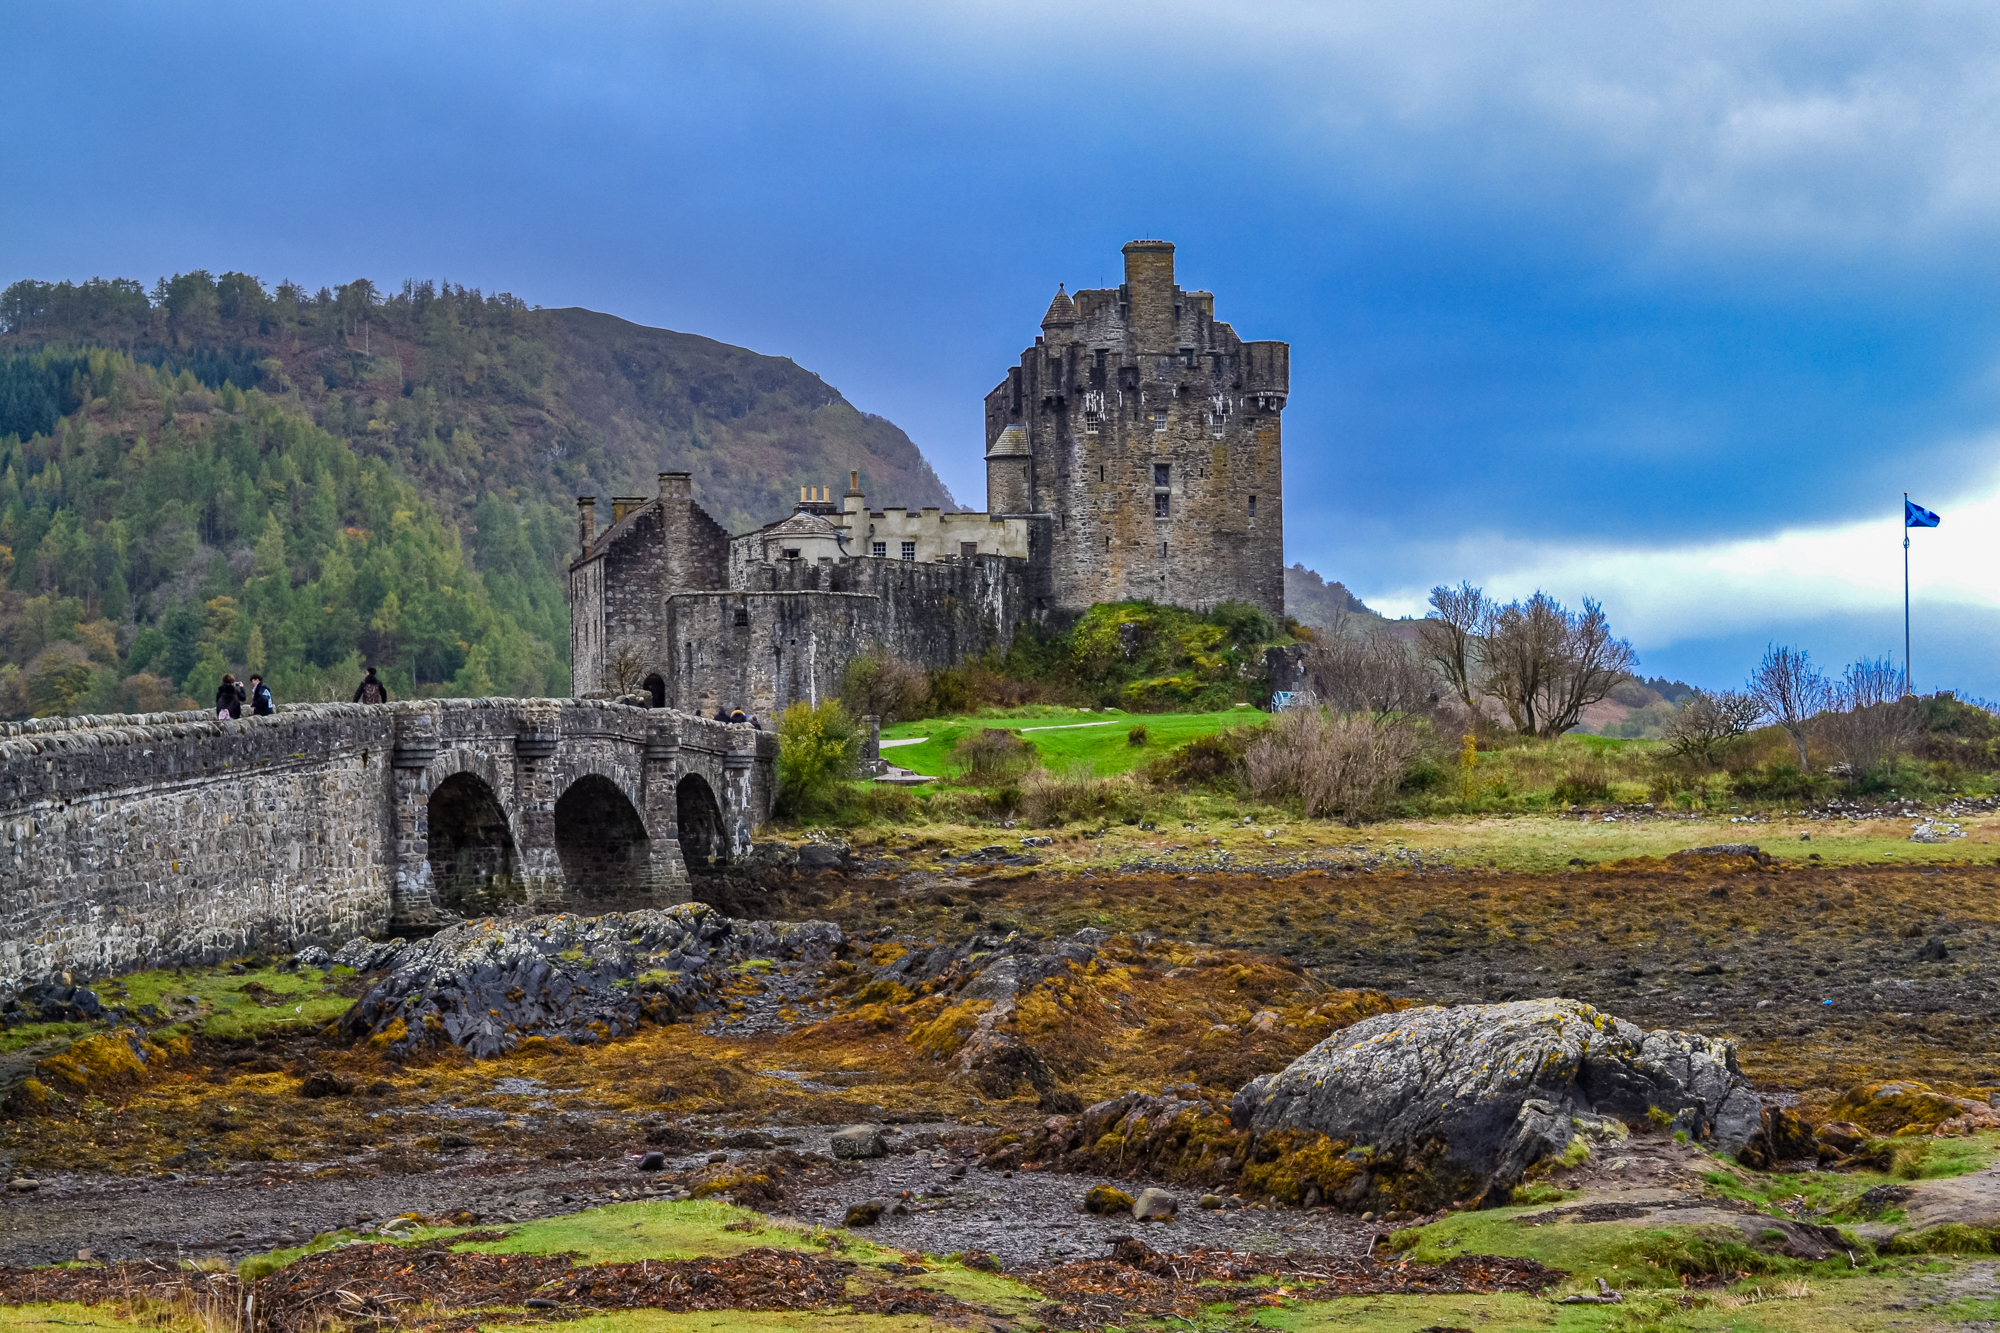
x=1331, y=765
x=1052, y=799
x=1588, y=782
x=990, y=756
x=818, y=746
x=1136, y=736
x=953, y=690
x=881, y=685
x=1205, y=761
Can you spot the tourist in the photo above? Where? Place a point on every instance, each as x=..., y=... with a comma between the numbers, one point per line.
x=738, y=717
x=260, y=697
x=371, y=691
x=228, y=698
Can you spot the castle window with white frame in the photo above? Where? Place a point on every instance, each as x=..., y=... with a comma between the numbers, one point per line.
x=880, y=550
x=1092, y=423
x=909, y=550
x=1159, y=418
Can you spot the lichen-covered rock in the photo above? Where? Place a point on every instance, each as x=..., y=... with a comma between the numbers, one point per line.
x=1154, y=1205
x=1106, y=1201
x=1905, y=1106
x=859, y=1141
x=486, y=985
x=1434, y=1105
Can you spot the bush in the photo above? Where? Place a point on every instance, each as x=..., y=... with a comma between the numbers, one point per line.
x=1205, y=761
x=1588, y=782
x=1776, y=781
x=953, y=690
x=1331, y=765
x=1052, y=799
x=818, y=747
x=990, y=756
x=883, y=686
x=1136, y=736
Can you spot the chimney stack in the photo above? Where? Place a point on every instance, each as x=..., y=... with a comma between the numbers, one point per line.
x=586, y=521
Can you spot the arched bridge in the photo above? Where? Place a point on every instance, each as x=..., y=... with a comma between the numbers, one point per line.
x=172, y=837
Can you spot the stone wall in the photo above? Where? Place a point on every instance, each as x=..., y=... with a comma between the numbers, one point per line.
x=790, y=635
x=175, y=838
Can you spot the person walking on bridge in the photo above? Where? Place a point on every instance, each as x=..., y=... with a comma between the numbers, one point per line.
x=372, y=690
x=228, y=698
x=260, y=697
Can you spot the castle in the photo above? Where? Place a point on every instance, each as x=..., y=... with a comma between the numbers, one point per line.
x=1135, y=453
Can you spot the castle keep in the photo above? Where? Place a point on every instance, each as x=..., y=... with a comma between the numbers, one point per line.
x=1135, y=453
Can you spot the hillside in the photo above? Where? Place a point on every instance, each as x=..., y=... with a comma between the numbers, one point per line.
x=409, y=464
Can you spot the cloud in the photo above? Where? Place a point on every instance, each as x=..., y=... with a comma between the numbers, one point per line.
x=1849, y=572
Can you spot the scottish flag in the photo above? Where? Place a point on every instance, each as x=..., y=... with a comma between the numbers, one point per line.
x=1916, y=516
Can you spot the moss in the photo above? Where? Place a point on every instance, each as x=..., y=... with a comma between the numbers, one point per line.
x=396, y=1032
x=1948, y=1238
x=1288, y=1162
x=881, y=991
x=942, y=1037
x=1107, y=1200
x=1576, y=1152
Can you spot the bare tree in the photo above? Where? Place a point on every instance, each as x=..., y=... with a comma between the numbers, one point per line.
x=1705, y=725
x=1546, y=664
x=1370, y=673
x=1450, y=634
x=1792, y=692
x=1872, y=723
x=625, y=667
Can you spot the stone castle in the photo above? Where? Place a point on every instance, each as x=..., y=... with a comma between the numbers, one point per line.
x=1135, y=453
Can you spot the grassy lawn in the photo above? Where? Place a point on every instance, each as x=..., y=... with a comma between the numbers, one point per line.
x=1063, y=736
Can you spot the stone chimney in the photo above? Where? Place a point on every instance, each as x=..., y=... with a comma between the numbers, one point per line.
x=586, y=521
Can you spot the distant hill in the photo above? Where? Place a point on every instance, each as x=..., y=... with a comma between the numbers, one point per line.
x=1311, y=600
x=211, y=474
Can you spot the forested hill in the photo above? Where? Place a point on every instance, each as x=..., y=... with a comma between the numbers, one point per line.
x=210, y=476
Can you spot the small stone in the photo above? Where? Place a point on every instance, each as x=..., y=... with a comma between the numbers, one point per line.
x=22, y=1185
x=1107, y=1200
x=1210, y=1202
x=859, y=1141
x=1155, y=1205
x=718, y=1158
x=979, y=1261
x=866, y=1213
x=653, y=1161
x=83, y=1255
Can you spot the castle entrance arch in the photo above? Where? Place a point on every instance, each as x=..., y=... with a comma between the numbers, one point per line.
x=656, y=690
x=474, y=870
x=704, y=835
x=601, y=841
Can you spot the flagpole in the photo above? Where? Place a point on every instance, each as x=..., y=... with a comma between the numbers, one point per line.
x=1906, y=594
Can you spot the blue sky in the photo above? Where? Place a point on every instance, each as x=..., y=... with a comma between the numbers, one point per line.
x=1662, y=304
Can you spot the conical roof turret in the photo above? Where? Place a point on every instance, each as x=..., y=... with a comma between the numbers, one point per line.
x=1062, y=311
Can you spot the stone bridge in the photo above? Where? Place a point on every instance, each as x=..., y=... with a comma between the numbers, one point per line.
x=169, y=838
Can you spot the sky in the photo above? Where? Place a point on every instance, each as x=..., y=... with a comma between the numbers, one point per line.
x=1664, y=305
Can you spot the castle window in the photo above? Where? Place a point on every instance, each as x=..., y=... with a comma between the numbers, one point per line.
x=791, y=553
x=968, y=549
x=1162, y=474
x=909, y=550
x=880, y=550
x=1159, y=418
x=1253, y=506
x=1100, y=356
x=1092, y=422
x=1161, y=501
x=1215, y=425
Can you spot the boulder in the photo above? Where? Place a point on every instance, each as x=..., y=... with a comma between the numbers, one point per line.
x=366, y=955
x=866, y=1213
x=1107, y=1200
x=487, y=985
x=1905, y=1106
x=1431, y=1105
x=1154, y=1205
x=859, y=1141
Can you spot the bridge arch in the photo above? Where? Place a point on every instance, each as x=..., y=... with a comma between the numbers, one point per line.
x=475, y=867
x=601, y=841
x=704, y=831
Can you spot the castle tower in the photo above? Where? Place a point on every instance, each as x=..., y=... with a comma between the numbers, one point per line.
x=1150, y=434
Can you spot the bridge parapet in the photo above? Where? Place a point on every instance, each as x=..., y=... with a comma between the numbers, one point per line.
x=150, y=839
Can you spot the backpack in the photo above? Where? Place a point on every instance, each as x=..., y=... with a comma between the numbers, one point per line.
x=371, y=693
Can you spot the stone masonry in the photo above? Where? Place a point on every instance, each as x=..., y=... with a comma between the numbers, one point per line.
x=1135, y=453
x=171, y=838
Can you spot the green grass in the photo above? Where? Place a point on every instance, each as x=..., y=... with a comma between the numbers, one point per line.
x=1834, y=1194
x=1077, y=736
x=227, y=1007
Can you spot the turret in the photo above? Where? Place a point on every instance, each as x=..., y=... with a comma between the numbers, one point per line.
x=1059, y=323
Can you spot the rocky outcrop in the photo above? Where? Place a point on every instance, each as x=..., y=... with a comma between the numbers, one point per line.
x=1431, y=1106
x=490, y=984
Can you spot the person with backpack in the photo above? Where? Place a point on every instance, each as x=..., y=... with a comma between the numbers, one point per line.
x=372, y=690
x=260, y=697
x=228, y=698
